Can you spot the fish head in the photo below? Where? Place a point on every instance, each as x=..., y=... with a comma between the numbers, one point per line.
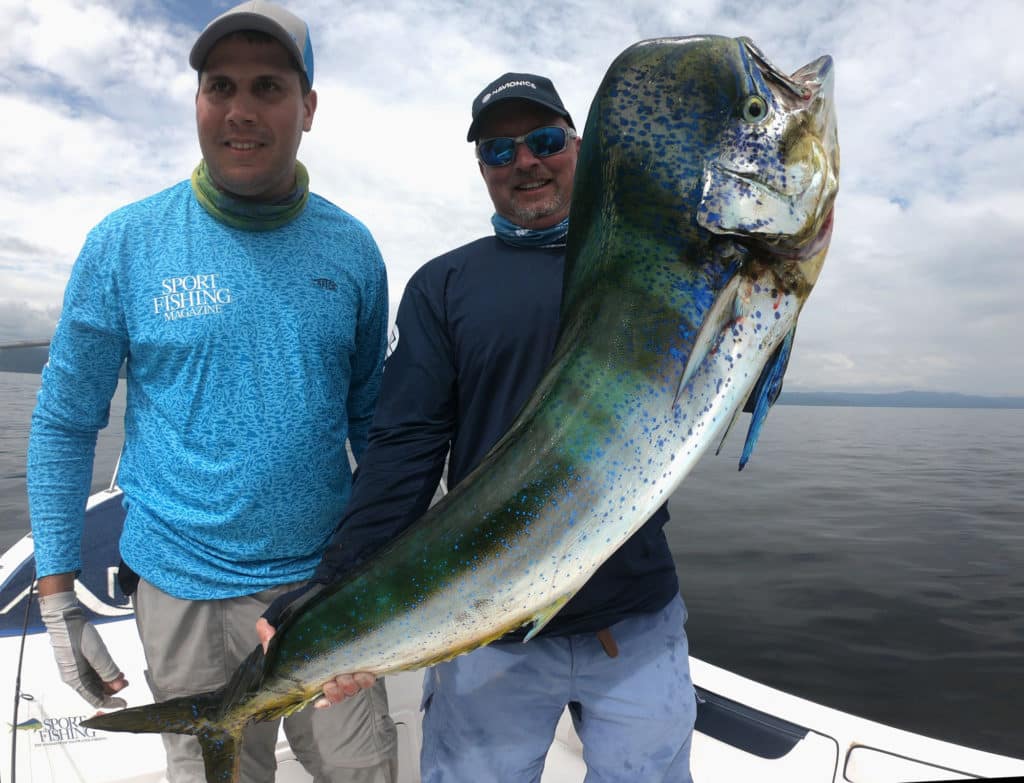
x=701, y=218
x=699, y=137
x=775, y=173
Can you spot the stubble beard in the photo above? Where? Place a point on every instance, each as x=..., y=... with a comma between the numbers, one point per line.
x=524, y=215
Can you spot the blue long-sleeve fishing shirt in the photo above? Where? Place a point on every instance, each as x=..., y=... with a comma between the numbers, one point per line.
x=475, y=331
x=251, y=357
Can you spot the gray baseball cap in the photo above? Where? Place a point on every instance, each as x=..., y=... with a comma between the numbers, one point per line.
x=268, y=18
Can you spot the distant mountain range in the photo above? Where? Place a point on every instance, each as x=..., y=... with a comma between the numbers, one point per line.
x=23, y=357
x=905, y=399
x=31, y=358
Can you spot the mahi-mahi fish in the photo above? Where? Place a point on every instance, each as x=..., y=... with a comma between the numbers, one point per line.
x=701, y=217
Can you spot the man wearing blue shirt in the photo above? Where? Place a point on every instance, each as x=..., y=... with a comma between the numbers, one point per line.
x=251, y=314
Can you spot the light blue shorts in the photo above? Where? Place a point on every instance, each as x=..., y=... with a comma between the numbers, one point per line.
x=491, y=715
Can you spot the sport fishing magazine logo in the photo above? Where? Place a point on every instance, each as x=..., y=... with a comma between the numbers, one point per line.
x=59, y=731
x=189, y=296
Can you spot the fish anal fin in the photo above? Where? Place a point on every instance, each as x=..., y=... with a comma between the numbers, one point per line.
x=283, y=708
x=545, y=615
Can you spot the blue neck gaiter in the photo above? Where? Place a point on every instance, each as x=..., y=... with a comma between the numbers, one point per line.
x=530, y=237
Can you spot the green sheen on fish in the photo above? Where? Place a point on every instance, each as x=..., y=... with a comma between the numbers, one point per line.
x=700, y=221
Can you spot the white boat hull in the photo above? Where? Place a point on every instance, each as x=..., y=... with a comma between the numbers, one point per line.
x=745, y=731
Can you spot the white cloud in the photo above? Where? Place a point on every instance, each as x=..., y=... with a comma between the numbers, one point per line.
x=919, y=289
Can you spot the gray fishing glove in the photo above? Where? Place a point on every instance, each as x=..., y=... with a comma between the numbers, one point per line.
x=81, y=655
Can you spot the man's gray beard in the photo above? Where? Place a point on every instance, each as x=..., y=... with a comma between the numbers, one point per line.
x=524, y=216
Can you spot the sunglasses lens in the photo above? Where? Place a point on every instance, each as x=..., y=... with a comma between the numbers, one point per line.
x=542, y=143
x=497, y=152
x=546, y=141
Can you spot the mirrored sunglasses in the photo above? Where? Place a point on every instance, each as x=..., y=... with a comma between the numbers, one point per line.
x=543, y=142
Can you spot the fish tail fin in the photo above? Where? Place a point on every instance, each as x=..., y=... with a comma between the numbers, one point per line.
x=222, y=755
x=196, y=715
x=202, y=716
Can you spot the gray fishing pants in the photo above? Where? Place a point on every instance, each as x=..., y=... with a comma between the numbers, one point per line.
x=195, y=646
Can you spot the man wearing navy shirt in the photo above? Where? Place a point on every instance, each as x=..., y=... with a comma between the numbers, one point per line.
x=476, y=329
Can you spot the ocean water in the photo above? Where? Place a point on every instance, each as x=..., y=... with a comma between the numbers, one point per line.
x=871, y=559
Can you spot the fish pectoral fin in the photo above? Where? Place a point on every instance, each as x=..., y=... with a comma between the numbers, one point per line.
x=766, y=392
x=720, y=318
x=728, y=429
x=544, y=616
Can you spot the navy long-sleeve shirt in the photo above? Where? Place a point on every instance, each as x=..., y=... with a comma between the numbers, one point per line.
x=475, y=331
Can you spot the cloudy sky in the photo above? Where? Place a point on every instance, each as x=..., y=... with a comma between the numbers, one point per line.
x=923, y=285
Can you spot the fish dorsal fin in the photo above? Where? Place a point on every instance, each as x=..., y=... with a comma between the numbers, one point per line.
x=545, y=616
x=246, y=680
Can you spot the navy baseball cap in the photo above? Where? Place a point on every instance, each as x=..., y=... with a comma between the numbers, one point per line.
x=518, y=86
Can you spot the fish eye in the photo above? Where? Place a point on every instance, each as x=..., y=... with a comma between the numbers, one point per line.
x=755, y=108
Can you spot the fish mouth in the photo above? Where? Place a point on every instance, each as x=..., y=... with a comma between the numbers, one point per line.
x=789, y=212
x=817, y=244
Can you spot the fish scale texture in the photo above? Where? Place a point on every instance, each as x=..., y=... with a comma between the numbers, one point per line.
x=252, y=356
